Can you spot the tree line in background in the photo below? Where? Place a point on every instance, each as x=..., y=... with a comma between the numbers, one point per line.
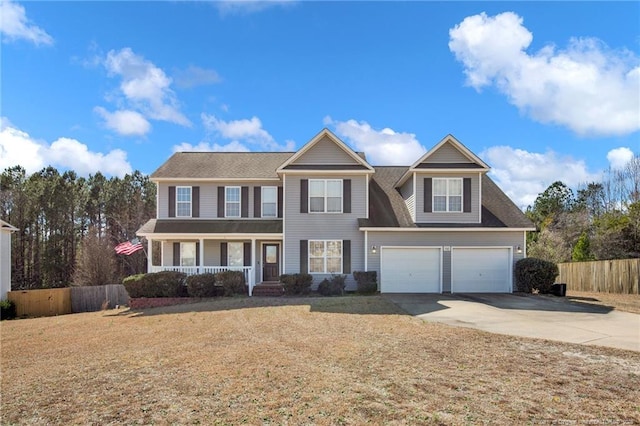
x=600, y=221
x=69, y=225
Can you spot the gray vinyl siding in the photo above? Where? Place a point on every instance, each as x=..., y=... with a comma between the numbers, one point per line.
x=208, y=196
x=447, y=153
x=5, y=263
x=323, y=226
x=409, y=196
x=448, y=217
x=444, y=239
x=325, y=151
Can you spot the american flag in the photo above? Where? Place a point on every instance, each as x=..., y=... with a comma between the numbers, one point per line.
x=129, y=247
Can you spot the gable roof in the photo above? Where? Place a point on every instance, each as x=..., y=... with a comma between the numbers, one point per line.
x=5, y=226
x=387, y=208
x=221, y=165
x=474, y=163
x=358, y=159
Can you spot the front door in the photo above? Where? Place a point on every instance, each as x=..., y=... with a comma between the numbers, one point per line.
x=270, y=262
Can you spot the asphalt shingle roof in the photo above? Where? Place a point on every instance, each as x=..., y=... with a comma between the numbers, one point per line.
x=222, y=165
x=219, y=226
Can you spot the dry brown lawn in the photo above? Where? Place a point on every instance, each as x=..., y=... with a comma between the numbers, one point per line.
x=621, y=302
x=350, y=360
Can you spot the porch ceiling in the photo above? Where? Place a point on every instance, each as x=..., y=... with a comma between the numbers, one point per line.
x=197, y=226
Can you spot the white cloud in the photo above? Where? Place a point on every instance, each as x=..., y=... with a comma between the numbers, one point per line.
x=229, y=7
x=195, y=76
x=14, y=25
x=145, y=86
x=125, y=122
x=382, y=147
x=17, y=148
x=247, y=130
x=587, y=87
x=619, y=157
x=523, y=175
x=233, y=146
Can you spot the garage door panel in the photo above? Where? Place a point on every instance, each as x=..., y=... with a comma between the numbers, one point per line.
x=407, y=270
x=481, y=270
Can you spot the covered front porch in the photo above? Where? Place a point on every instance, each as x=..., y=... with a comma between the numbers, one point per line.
x=258, y=255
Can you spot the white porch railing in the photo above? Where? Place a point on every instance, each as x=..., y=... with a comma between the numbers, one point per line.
x=194, y=270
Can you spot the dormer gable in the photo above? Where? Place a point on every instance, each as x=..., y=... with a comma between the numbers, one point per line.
x=326, y=152
x=448, y=155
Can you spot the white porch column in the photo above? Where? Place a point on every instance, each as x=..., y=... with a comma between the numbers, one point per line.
x=149, y=255
x=252, y=275
x=366, y=250
x=201, y=256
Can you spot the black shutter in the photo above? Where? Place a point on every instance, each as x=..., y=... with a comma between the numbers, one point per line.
x=346, y=196
x=428, y=191
x=176, y=254
x=223, y=254
x=172, y=201
x=195, y=201
x=466, y=195
x=244, y=201
x=221, y=201
x=197, y=254
x=280, y=206
x=304, y=256
x=257, y=201
x=247, y=254
x=304, y=195
x=346, y=256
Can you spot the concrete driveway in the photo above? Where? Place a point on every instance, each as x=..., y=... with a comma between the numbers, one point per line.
x=543, y=317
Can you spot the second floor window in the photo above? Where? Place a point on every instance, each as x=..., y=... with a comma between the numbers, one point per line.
x=269, y=201
x=325, y=195
x=232, y=201
x=183, y=201
x=447, y=195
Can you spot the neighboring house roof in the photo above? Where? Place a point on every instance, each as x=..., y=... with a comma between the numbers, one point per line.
x=387, y=208
x=5, y=226
x=221, y=165
x=199, y=226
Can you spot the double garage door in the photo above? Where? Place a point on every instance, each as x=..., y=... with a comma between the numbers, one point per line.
x=420, y=270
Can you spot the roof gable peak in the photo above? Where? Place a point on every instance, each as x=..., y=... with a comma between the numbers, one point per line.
x=328, y=134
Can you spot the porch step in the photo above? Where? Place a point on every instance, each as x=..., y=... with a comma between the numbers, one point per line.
x=268, y=289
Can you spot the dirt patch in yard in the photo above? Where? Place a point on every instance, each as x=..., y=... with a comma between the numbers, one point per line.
x=348, y=360
x=620, y=302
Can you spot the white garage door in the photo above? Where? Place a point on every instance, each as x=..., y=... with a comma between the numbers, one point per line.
x=480, y=270
x=410, y=270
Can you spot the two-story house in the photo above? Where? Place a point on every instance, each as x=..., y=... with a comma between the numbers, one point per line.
x=439, y=225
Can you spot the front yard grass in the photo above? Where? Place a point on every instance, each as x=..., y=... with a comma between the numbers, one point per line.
x=345, y=360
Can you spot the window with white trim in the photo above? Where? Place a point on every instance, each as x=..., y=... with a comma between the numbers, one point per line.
x=325, y=195
x=447, y=195
x=232, y=201
x=235, y=254
x=183, y=201
x=325, y=256
x=269, y=201
x=187, y=254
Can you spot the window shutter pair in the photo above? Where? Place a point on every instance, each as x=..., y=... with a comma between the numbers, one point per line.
x=176, y=254
x=428, y=195
x=244, y=201
x=195, y=201
x=224, y=254
x=346, y=256
x=304, y=195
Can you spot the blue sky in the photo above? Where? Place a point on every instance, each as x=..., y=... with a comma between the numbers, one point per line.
x=542, y=91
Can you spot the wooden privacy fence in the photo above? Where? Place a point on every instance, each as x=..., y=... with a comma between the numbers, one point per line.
x=620, y=276
x=60, y=301
x=95, y=298
x=41, y=303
